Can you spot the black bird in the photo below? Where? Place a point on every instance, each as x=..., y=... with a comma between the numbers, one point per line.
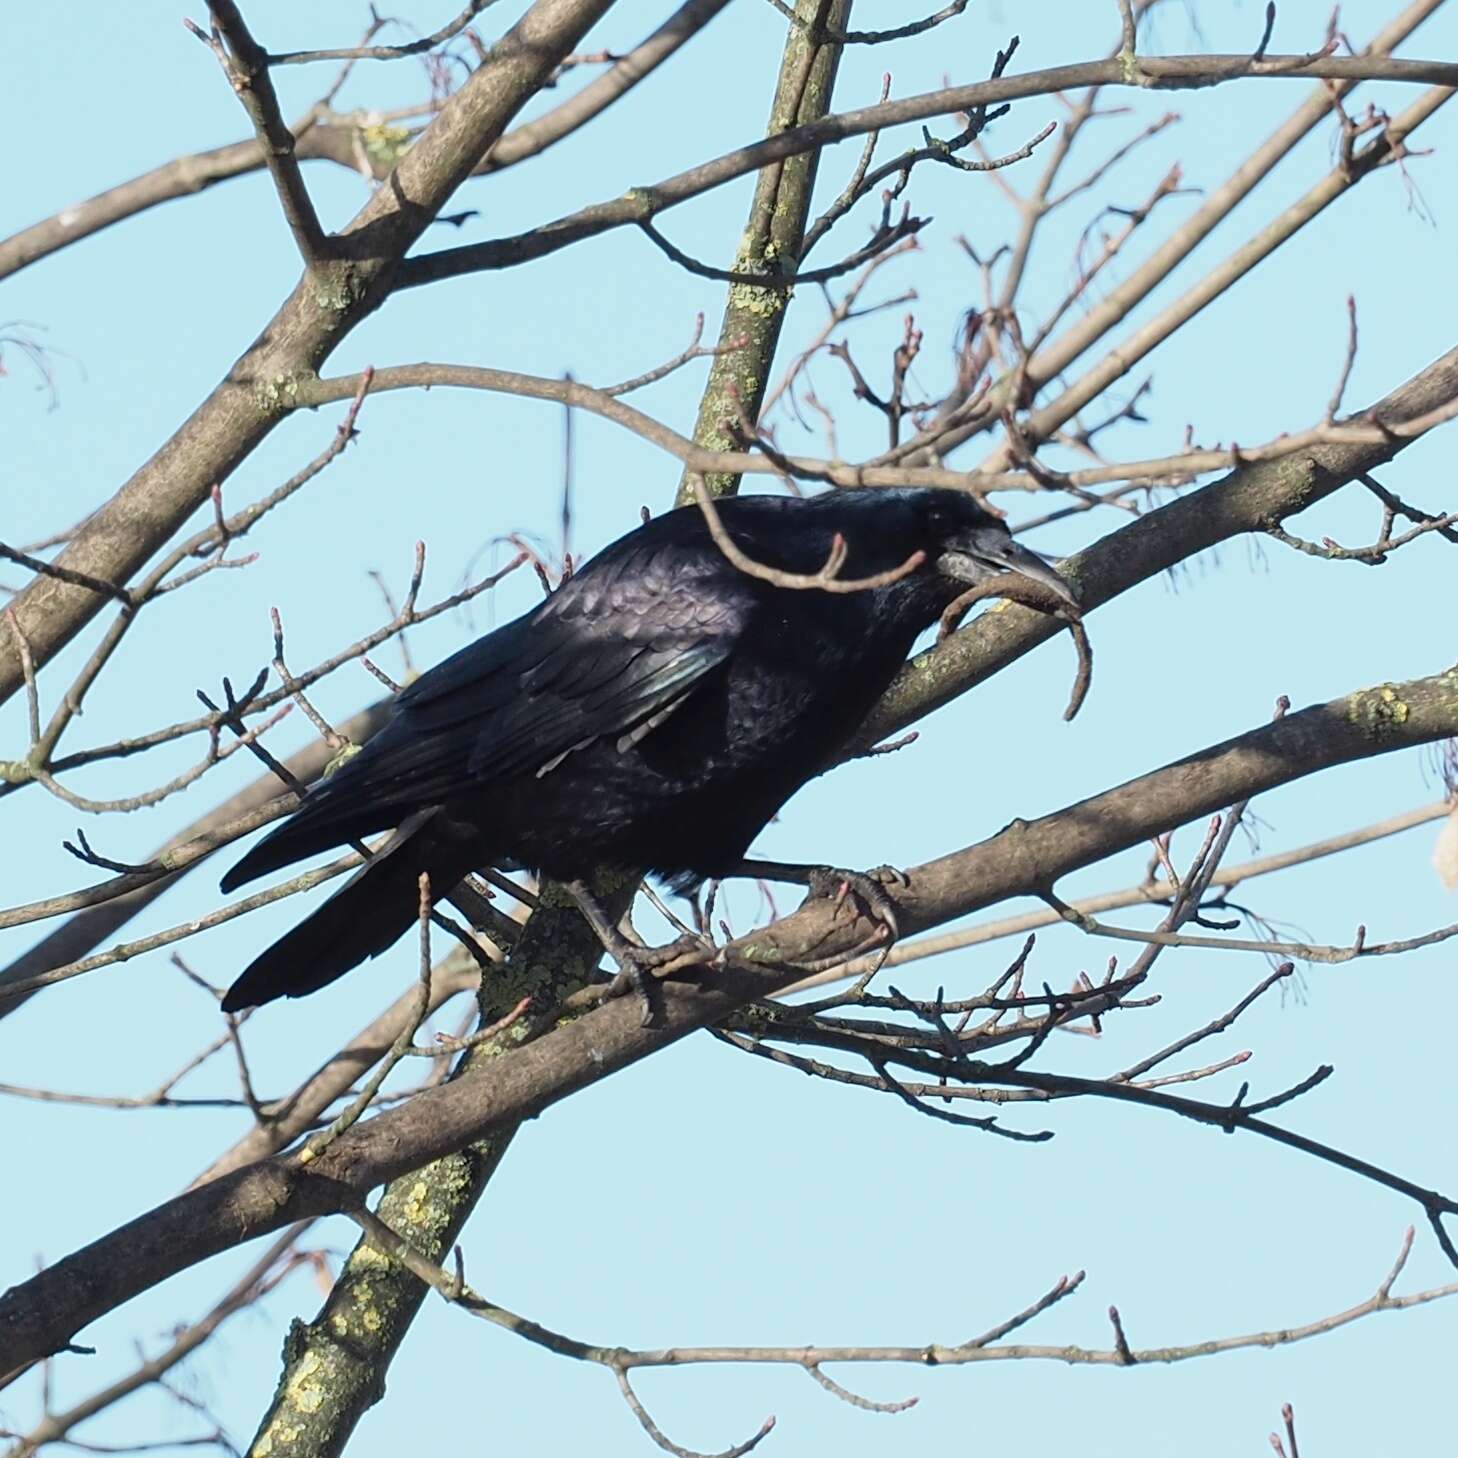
x=652, y=713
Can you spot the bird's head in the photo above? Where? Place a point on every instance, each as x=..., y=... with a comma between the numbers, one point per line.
x=968, y=545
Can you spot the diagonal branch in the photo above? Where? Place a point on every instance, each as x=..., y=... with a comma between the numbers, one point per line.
x=324, y=135
x=325, y=306
x=245, y=64
x=647, y=202
x=1148, y=891
x=1247, y=500
x=43, y=1314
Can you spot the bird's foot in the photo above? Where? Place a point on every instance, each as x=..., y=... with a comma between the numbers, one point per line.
x=833, y=883
x=836, y=884
x=636, y=963
x=637, y=967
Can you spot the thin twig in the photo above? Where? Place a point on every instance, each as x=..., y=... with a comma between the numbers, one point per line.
x=351, y=1115
x=385, y=53
x=826, y=580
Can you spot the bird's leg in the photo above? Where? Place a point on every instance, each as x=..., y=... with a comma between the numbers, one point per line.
x=834, y=883
x=635, y=963
x=619, y=948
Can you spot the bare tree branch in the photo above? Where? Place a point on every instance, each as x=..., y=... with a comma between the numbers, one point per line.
x=276, y=1263
x=246, y=67
x=773, y=239
x=419, y=47
x=42, y=1314
x=1141, y=895
x=324, y=135
x=648, y=202
x=1249, y=499
x=323, y=308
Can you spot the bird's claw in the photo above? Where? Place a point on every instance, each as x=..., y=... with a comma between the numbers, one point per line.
x=636, y=969
x=633, y=976
x=869, y=889
x=888, y=875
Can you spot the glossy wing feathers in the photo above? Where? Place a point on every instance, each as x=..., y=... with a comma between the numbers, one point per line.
x=602, y=657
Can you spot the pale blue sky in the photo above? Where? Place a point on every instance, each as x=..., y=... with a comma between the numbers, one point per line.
x=703, y=1196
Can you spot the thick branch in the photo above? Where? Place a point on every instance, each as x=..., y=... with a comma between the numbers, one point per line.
x=42, y=1314
x=345, y=140
x=1149, y=891
x=772, y=241
x=324, y=307
x=1247, y=500
x=335, y=1367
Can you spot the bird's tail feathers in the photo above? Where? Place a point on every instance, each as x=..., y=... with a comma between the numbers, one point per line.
x=321, y=823
x=365, y=917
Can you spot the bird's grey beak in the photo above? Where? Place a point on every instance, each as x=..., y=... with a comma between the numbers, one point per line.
x=984, y=553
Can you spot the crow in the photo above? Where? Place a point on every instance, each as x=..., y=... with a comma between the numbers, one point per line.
x=653, y=714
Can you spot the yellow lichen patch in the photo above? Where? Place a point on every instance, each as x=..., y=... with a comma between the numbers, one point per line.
x=366, y=1254
x=415, y=1209
x=280, y=391
x=304, y=1391
x=342, y=756
x=385, y=145
x=1392, y=707
x=338, y=288
x=514, y=982
x=362, y=1292
x=1378, y=709
x=754, y=299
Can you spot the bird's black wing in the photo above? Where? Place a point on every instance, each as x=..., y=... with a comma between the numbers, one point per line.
x=605, y=656
x=609, y=655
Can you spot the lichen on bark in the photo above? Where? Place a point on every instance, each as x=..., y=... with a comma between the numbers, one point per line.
x=334, y=1366
x=755, y=314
